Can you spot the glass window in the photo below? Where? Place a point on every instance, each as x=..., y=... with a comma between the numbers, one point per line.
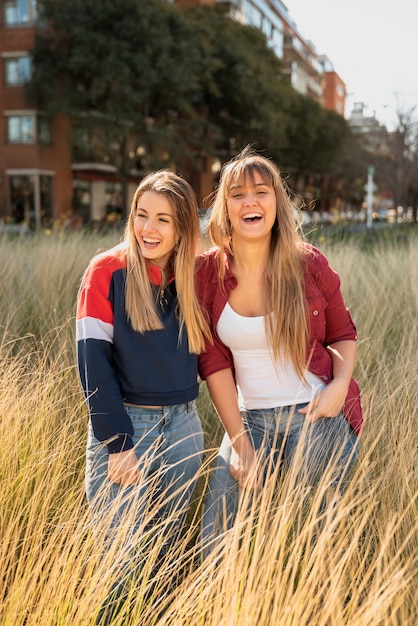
x=82, y=198
x=23, y=190
x=44, y=130
x=253, y=15
x=22, y=198
x=276, y=42
x=45, y=190
x=21, y=129
x=114, y=202
x=19, y=12
x=28, y=129
x=17, y=70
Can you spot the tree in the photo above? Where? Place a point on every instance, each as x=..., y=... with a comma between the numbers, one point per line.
x=349, y=172
x=146, y=85
x=398, y=168
x=315, y=136
x=117, y=72
x=241, y=89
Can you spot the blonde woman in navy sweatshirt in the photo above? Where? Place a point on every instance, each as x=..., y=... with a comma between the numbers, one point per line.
x=139, y=330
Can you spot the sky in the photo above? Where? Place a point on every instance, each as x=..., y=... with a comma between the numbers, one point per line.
x=373, y=46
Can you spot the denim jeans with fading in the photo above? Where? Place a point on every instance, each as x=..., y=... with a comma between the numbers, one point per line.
x=325, y=448
x=168, y=442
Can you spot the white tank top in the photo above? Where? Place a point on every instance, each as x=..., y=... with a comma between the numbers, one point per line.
x=261, y=384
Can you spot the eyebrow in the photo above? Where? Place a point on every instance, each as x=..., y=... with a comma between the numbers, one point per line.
x=139, y=208
x=243, y=185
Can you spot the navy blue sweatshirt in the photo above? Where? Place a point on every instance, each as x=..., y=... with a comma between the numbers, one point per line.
x=117, y=364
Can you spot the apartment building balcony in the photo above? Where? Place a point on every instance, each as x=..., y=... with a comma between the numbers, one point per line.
x=302, y=67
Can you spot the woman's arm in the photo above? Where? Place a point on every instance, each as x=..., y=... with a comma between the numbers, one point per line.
x=330, y=401
x=223, y=393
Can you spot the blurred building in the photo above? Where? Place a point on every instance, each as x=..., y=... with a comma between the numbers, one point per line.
x=334, y=93
x=35, y=160
x=40, y=185
x=373, y=133
x=308, y=72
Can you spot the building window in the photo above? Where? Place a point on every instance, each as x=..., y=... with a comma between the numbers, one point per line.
x=114, y=197
x=21, y=129
x=17, y=70
x=45, y=196
x=340, y=91
x=22, y=198
x=253, y=14
x=82, y=198
x=44, y=130
x=31, y=199
x=28, y=129
x=19, y=12
x=276, y=42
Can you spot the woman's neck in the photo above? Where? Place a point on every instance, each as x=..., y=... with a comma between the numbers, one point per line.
x=250, y=257
x=166, y=271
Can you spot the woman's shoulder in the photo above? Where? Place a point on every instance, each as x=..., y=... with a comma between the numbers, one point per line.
x=208, y=261
x=210, y=253
x=314, y=259
x=109, y=260
x=99, y=272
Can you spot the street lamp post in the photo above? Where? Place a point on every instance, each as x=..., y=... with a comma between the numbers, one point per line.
x=370, y=172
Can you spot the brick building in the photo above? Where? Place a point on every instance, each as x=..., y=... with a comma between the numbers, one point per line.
x=40, y=185
x=35, y=160
x=308, y=72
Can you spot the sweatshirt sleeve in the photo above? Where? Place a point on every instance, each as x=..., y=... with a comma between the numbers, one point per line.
x=94, y=333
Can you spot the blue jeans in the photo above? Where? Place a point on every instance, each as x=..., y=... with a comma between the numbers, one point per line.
x=282, y=436
x=169, y=445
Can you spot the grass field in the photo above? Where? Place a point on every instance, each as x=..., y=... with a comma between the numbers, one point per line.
x=278, y=565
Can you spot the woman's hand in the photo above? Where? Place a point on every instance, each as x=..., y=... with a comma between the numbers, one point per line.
x=123, y=468
x=243, y=465
x=328, y=403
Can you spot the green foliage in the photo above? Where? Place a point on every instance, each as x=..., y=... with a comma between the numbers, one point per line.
x=179, y=83
x=241, y=86
x=108, y=58
x=121, y=71
x=315, y=137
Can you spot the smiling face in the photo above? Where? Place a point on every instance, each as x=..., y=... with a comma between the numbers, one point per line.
x=154, y=228
x=251, y=205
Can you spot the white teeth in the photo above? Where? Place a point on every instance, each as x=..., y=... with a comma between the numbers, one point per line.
x=150, y=241
x=251, y=216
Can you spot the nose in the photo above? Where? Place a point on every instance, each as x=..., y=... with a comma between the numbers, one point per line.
x=250, y=198
x=149, y=224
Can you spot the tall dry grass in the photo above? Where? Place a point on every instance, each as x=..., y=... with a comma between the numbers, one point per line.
x=285, y=562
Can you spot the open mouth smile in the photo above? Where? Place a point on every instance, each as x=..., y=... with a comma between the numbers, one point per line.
x=150, y=243
x=252, y=217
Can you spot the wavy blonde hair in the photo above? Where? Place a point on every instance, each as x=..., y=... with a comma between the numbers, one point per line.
x=139, y=299
x=284, y=287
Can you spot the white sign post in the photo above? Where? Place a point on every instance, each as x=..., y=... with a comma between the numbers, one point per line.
x=370, y=172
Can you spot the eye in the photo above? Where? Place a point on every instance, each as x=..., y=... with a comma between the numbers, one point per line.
x=140, y=214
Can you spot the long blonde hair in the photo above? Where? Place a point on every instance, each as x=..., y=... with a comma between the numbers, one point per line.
x=284, y=286
x=139, y=300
